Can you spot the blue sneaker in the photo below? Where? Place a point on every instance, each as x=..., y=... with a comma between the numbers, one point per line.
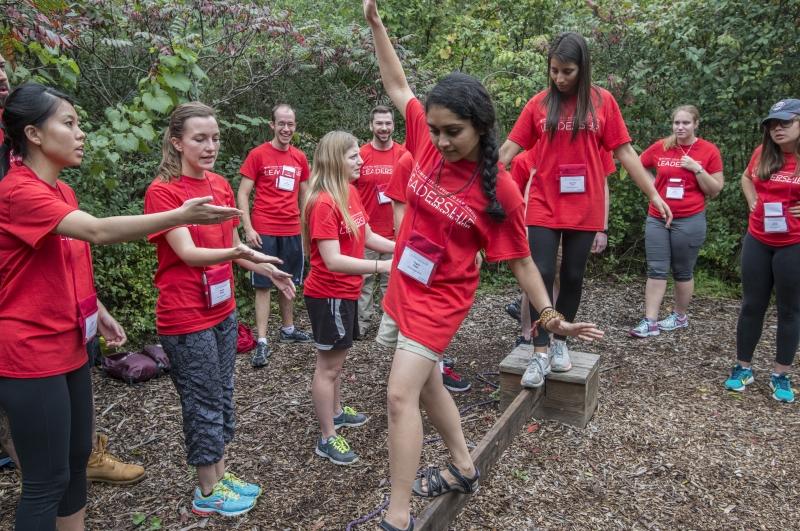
x=781, y=388
x=222, y=500
x=740, y=378
x=240, y=487
x=349, y=417
x=297, y=336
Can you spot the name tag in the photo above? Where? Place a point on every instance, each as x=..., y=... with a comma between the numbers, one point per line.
x=573, y=184
x=218, y=285
x=416, y=265
x=382, y=197
x=88, y=317
x=286, y=179
x=675, y=189
x=773, y=209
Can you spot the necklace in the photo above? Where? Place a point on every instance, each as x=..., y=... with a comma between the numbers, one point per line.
x=686, y=151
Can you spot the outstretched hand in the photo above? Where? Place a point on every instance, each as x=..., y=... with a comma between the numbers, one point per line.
x=282, y=280
x=584, y=331
x=198, y=211
x=256, y=257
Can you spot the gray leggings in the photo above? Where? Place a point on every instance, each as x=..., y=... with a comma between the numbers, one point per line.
x=675, y=247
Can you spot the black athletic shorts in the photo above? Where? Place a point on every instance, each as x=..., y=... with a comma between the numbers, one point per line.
x=334, y=322
x=287, y=248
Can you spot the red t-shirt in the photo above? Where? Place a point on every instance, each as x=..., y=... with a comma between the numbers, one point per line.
x=448, y=208
x=325, y=222
x=376, y=172
x=40, y=333
x=560, y=156
x=521, y=167
x=181, y=306
x=401, y=172
x=782, y=187
x=670, y=174
x=275, y=208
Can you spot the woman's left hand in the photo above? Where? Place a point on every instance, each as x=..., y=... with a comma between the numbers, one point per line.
x=663, y=208
x=793, y=210
x=110, y=329
x=584, y=331
x=257, y=257
x=282, y=280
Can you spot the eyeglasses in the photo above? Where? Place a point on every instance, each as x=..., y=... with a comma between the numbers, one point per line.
x=785, y=124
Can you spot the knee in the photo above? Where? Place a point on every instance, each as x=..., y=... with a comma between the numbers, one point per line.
x=399, y=399
x=657, y=270
x=571, y=276
x=52, y=486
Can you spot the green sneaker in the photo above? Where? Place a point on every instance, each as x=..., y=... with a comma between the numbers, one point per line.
x=240, y=487
x=336, y=449
x=781, y=388
x=740, y=378
x=222, y=500
x=349, y=417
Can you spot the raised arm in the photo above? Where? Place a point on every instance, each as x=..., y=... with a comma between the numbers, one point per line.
x=392, y=74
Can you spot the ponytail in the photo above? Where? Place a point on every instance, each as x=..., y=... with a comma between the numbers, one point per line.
x=489, y=156
x=170, y=166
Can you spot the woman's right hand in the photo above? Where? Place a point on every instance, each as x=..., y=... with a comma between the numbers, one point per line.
x=371, y=11
x=197, y=211
x=248, y=253
x=253, y=238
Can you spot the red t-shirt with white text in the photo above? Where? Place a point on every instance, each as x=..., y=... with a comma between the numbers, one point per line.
x=376, y=172
x=670, y=174
x=782, y=187
x=182, y=306
x=325, y=222
x=446, y=205
x=275, y=210
x=401, y=172
x=548, y=206
x=40, y=334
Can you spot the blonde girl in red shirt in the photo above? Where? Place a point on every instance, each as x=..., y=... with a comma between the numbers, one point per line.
x=337, y=231
x=196, y=309
x=458, y=202
x=573, y=122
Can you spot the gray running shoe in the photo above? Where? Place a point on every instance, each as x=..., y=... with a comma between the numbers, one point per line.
x=336, y=449
x=559, y=356
x=297, y=336
x=673, y=322
x=349, y=417
x=538, y=369
x=261, y=357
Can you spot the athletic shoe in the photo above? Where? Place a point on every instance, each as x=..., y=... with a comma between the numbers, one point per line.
x=522, y=341
x=104, y=467
x=261, y=357
x=781, y=388
x=514, y=310
x=740, y=378
x=538, y=369
x=673, y=322
x=222, y=500
x=336, y=449
x=349, y=417
x=645, y=328
x=448, y=362
x=453, y=381
x=297, y=336
x=559, y=356
x=240, y=487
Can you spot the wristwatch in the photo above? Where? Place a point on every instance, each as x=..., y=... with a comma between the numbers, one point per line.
x=698, y=172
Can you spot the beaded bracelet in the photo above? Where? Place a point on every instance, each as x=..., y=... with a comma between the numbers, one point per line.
x=546, y=315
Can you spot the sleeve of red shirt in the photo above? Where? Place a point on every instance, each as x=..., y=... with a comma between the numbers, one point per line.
x=648, y=156
x=249, y=168
x=324, y=221
x=524, y=133
x=751, y=166
x=160, y=198
x=401, y=172
x=306, y=173
x=34, y=212
x=416, y=126
x=508, y=239
x=615, y=132
x=714, y=161
x=521, y=170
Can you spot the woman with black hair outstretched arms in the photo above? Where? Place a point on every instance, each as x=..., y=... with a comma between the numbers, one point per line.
x=458, y=202
x=574, y=121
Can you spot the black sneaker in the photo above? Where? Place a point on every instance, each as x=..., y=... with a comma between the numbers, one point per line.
x=453, y=381
x=297, y=336
x=261, y=357
x=514, y=310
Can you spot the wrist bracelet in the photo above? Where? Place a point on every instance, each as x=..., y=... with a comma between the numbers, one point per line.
x=547, y=315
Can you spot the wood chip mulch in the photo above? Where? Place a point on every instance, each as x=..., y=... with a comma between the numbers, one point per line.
x=668, y=447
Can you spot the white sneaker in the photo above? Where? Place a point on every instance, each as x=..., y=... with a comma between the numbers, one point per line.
x=538, y=368
x=559, y=356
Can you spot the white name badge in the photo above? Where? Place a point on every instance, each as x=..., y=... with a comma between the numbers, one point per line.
x=415, y=265
x=572, y=184
x=775, y=224
x=383, y=198
x=286, y=178
x=220, y=292
x=773, y=209
x=90, y=327
x=674, y=192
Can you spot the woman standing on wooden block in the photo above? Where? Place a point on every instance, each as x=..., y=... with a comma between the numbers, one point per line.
x=458, y=202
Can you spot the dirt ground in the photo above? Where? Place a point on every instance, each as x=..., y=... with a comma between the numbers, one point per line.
x=668, y=447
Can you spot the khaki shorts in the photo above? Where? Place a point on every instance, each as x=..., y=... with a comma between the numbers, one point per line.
x=389, y=335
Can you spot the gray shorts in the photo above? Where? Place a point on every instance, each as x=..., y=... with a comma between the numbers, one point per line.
x=676, y=247
x=202, y=371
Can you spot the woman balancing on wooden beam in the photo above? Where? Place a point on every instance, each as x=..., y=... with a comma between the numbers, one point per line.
x=458, y=202
x=574, y=121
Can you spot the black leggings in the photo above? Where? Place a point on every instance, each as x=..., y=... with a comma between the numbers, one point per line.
x=576, y=245
x=765, y=267
x=51, y=426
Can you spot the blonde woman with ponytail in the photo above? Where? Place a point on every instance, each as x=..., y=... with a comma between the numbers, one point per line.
x=336, y=230
x=196, y=310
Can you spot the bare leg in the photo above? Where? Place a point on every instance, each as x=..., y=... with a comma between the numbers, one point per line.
x=653, y=295
x=683, y=295
x=219, y=467
x=207, y=476
x=262, y=311
x=337, y=394
x=287, y=309
x=323, y=386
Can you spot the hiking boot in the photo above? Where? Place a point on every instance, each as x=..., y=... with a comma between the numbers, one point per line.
x=645, y=328
x=559, y=356
x=453, y=381
x=538, y=368
x=240, y=487
x=296, y=336
x=222, y=500
x=740, y=378
x=673, y=321
x=514, y=310
x=337, y=450
x=104, y=467
x=349, y=417
x=522, y=341
x=781, y=388
x=261, y=357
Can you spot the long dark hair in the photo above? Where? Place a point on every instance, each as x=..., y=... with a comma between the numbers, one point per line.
x=467, y=98
x=28, y=104
x=772, y=156
x=570, y=47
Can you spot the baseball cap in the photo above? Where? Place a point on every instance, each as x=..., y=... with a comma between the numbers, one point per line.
x=783, y=110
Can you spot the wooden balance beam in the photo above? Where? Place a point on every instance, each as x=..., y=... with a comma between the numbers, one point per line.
x=569, y=397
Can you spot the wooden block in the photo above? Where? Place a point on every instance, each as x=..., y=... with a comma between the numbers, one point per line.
x=440, y=512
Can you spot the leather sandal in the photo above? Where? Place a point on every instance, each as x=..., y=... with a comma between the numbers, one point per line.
x=386, y=526
x=437, y=485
